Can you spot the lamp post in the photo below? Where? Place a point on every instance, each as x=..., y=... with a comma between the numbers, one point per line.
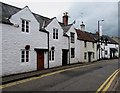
x=99, y=35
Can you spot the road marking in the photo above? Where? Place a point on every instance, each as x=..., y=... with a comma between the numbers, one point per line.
x=44, y=75
x=107, y=80
x=41, y=76
x=109, y=84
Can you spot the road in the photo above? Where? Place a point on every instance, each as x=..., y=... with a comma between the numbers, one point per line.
x=86, y=78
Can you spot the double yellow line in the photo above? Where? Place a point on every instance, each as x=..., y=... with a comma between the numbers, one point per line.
x=104, y=87
x=41, y=76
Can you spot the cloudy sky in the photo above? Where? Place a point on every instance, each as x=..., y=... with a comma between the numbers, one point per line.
x=89, y=11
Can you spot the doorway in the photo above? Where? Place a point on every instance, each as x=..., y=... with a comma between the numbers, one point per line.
x=89, y=56
x=64, y=57
x=40, y=60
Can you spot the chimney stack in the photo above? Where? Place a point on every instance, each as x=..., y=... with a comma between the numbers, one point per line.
x=65, y=18
x=82, y=27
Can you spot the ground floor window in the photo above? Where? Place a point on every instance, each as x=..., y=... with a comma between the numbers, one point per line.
x=72, y=52
x=106, y=52
x=52, y=54
x=24, y=55
x=93, y=55
x=85, y=55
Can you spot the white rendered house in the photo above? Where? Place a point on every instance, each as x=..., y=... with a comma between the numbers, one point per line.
x=87, y=45
x=24, y=45
x=58, y=44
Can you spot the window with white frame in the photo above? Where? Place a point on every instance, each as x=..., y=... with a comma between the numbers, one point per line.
x=85, y=55
x=25, y=26
x=52, y=54
x=106, y=52
x=24, y=55
x=72, y=35
x=55, y=33
x=72, y=52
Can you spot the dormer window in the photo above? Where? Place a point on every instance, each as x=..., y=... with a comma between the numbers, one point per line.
x=55, y=33
x=25, y=26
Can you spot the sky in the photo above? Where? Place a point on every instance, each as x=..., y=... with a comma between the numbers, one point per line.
x=88, y=11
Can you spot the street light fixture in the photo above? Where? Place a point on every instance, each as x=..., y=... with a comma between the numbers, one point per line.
x=99, y=35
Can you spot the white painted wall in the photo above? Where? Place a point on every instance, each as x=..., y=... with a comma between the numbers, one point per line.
x=13, y=40
x=107, y=48
x=59, y=44
x=89, y=48
x=75, y=45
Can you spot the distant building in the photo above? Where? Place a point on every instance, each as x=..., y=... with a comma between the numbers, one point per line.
x=117, y=39
x=106, y=47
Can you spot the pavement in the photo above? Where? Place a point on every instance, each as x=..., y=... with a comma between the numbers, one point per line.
x=16, y=77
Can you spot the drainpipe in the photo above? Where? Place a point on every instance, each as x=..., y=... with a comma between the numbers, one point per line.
x=48, y=49
x=69, y=47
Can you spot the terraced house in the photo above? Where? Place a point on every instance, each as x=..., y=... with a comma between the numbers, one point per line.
x=33, y=42
x=24, y=43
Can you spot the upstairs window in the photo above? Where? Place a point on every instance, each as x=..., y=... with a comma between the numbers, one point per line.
x=72, y=52
x=55, y=33
x=25, y=26
x=24, y=55
x=85, y=44
x=93, y=45
x=72, y=37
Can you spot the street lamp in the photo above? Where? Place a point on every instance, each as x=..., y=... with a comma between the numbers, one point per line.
x=99, y=35
x=99, y=25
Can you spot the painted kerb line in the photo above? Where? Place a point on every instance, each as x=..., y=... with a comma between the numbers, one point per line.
x=108, y=82
x=41, y=76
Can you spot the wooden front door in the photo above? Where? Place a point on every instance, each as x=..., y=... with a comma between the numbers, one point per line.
x=40, y=60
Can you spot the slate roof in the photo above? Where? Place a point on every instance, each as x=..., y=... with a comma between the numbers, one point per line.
x=85, y=36
x=65, y=27
x=8, y=10
x=110, y=40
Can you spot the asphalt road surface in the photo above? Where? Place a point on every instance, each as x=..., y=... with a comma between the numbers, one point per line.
x=88, y=78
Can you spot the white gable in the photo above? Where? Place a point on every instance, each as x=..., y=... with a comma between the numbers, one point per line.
x=26, y=14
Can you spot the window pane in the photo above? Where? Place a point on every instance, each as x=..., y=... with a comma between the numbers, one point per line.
x=72, y=53
x=27, y=56
x=22, y=55
x=23, y=25
x=85, y=55
x=27, y=60
x=85, y=44
x=56, y=33
x=93, y=55
x=72, y=37
x=27, y=26
x=52, y=55
x=22, y=60
x=53, y=33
